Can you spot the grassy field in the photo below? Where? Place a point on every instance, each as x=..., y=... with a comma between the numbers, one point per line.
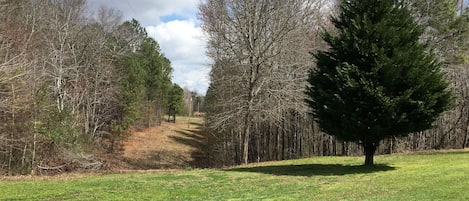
x=421, y=176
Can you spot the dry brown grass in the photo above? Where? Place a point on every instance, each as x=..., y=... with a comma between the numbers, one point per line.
x=169, y=146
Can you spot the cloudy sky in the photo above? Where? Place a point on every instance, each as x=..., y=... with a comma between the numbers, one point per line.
x=174, y=24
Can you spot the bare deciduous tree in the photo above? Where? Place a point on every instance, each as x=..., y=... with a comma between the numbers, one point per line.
x=261, y=57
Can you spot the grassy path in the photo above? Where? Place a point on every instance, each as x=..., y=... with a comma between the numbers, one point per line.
x=421, y=176
x=170, y=146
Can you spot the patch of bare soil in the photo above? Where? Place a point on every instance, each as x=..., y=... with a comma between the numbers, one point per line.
x=169, y=146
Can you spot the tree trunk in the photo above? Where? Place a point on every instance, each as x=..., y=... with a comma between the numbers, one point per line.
x=369, y=149
x=247, y=126
x=149, y=108
x=461, y=9
x=33, y=155
x=13, y=129
x=283, y=140
x=277, y=142
x=465, y=139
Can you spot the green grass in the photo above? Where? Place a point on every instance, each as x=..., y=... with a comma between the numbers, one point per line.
x=422, y=176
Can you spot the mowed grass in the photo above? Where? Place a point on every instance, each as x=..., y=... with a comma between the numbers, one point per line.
x=433, y=175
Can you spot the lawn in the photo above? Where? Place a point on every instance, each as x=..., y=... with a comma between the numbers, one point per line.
x=442, y=175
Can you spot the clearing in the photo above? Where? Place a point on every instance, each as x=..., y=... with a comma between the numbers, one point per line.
x=169, y=146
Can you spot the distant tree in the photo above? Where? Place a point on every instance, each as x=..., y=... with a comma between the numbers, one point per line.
x=377, y=80
x=175, y=101
x=127, y=39
x=146, y=76
x=132, y=90
x=198, y=99
x=157, y=80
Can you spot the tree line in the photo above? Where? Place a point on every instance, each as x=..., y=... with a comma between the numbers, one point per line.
x=261, y=52
x=72, y=82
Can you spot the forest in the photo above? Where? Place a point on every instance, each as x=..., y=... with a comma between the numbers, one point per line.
x=74, y=83
x=261, y=50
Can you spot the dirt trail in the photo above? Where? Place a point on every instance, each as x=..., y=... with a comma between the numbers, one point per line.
x=169, y=146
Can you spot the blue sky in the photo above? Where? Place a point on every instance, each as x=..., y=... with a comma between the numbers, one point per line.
x=175, y=26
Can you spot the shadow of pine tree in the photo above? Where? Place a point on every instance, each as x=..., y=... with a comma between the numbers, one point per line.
x=314, y=169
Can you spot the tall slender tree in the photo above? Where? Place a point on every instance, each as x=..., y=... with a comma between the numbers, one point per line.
x=377, y=80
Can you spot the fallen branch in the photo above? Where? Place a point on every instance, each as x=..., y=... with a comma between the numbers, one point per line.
x=59, y=168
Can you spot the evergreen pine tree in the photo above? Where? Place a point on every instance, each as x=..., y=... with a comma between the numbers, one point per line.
x=175, y=101
x=377, y=80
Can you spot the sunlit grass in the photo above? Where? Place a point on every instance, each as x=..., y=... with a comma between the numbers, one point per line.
x=422, y=176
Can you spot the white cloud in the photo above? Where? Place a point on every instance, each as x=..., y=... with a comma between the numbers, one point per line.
x=195, y=80
x=173, y=23
x=182, y=42
x=150, y=12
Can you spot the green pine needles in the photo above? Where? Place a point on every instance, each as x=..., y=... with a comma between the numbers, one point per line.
x=377, y=80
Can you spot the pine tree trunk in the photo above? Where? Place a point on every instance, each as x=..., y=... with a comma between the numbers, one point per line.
x=369, y=149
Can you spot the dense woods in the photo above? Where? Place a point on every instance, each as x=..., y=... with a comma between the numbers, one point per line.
x=72, y=82
x=261, y=53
